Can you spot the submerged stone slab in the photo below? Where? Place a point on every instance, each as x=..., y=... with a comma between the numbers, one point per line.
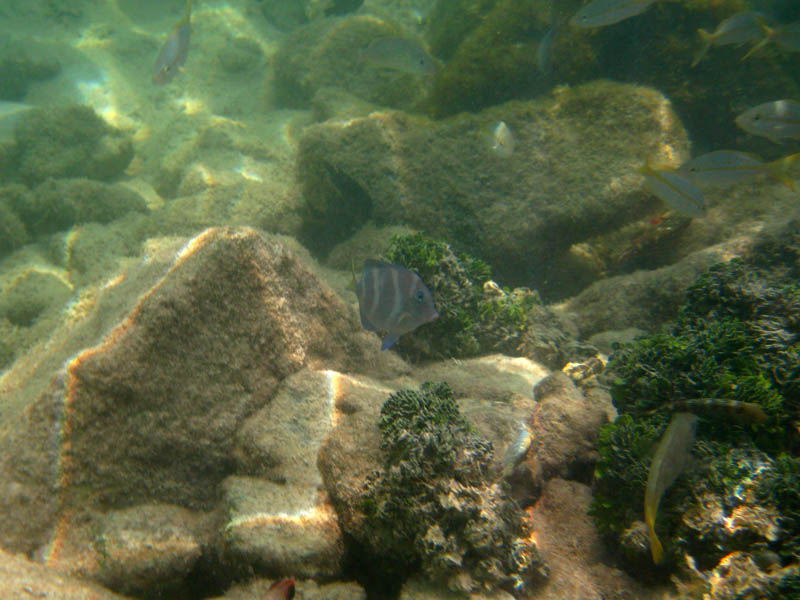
x=149, y=413
x=279, y=528
x=566, y=180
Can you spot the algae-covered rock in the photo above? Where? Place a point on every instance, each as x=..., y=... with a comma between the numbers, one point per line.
x=327, y=53
x=12, y=231
x=58, y=204
x=19, y=67
x=567, y=180
x=496, y=61
x=240, y=55
x=432, y=503
x=32, y=293
x=70, y=141
x=737, y=338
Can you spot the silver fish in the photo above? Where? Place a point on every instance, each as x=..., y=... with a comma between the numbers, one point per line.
x=501, y=140
x=786, y=37
x=544, y=53
x=607, y=12
x=175, y=50
x=399, y=54
x=672, y=453
x=725, y=167
x=392, y=299
x=738, y=29
x=675, y=190
x=772, y=120
x=517, y=448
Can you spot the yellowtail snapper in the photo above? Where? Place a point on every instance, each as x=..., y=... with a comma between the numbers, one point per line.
x=671, y=456
x=599, y=13
x=724, y=167
x=675, y=190
x=173, y=54
x=787, y=37
x=399, y=54
x=393, y=300
x=773, y=120
x=739, y=29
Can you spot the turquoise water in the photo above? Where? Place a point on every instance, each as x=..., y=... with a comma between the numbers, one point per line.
x=549, y=171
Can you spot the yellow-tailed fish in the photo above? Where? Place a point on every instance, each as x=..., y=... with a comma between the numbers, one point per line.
x=599, y=13
x=672, y=453
x=742, y=412
x=774, y=120
x=740, y=28
x=785, y=36
x=173, y=53
x=725, y=167
x=675, y=191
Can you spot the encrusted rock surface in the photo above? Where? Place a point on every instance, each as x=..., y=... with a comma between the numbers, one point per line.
x=568, y=179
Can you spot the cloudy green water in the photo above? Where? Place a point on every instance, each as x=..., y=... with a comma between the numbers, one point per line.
x=500, y=127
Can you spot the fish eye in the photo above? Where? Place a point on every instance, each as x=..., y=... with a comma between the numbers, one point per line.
x=420, y=296
x=756, y=118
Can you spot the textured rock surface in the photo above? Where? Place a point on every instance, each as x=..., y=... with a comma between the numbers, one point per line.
x=148, y=413
x=21, y=579
x=571, y=545
x=69, y=141
x=306, y=590
x=441, y=177
x=565, y=427
x=326, y=53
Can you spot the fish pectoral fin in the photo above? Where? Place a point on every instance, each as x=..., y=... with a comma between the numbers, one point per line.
x=389, y=341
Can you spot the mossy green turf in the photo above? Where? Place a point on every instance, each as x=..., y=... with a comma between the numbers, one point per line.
x=736, y=338
x=433, y=504
x=470, y=320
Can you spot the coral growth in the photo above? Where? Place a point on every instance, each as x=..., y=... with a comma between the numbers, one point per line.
x=433, y=505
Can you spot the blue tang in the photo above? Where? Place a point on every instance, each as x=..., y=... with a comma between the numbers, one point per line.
x=175, y=50
x=393, y=300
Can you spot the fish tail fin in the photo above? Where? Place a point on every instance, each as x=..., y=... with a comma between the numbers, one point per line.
x=656, y=549
x=706, y=38
x=188, y=14
x=781, y=170
x=768, y=34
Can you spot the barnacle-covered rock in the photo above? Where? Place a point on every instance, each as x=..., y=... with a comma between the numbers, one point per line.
x=432, y=503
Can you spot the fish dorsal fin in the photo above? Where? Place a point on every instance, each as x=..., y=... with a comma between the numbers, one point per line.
x=371, y=263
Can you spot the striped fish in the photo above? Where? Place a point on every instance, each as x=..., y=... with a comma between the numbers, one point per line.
x=599, y=13
x=675, y=191
x=393, y=300
x=741, y=412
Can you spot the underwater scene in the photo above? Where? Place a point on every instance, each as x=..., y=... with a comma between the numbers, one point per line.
x=400, y=299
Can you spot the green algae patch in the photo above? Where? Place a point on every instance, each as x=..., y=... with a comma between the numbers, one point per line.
x=432, y=506
x=736, y=340
x=474, y=315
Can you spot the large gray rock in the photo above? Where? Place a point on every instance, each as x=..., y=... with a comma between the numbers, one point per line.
x=567, y=179
x=139, y=398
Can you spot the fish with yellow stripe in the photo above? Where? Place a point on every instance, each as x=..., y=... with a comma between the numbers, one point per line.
x=393, y=300
x=742, y=412
x=675, y=190
x=599, y=13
